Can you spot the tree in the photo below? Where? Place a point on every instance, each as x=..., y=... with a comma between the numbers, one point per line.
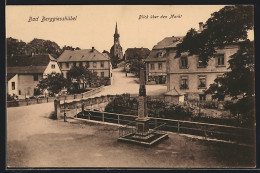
x=41, y=46
x=15, y=47
x=114, y=61
x=69, y=48
x=135, y=66
x=54, y=83
x=81, y=73
x=227, y=26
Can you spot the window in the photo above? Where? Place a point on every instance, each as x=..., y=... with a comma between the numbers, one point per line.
x=13, y=85
x=94, y=64
x=160, y=54
x=60, y=65
x=67, y=65
x=159, y=66
x=102, y=74
x=201, y=64
x=20, y=93
x=202, y=82
x=35, y=77
x=184, y=62
x=101, y=64
x=53, y=66
x=152, y=66
x=202, y=97
x=220, y=60
x=87, y=64
x=74, y=64
x=184, y=82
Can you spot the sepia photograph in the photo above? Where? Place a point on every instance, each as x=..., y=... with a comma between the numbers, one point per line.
x=130, y=86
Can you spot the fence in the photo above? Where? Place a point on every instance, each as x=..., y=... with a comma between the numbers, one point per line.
x=27, y=102
x=206, y=130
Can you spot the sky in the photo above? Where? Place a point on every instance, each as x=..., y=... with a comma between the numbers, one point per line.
x=95, y=24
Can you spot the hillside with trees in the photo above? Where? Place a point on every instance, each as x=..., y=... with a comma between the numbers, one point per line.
x=36, y=46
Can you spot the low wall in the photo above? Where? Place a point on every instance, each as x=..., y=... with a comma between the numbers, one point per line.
x=74, y=107
x=26, y=102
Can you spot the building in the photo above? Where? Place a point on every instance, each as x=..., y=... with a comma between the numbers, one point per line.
x=136, y=53
x=116, y=50
x=156, y=61
x=25, y=72
x=190, y=76
x=91, y=58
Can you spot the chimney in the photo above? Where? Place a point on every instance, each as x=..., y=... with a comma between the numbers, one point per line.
x=200, y=26
x=92, y=50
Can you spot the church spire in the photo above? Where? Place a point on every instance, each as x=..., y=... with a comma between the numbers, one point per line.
x=116, y=32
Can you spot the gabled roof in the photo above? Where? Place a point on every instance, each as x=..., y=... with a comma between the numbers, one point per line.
x=25, y=60
x=26, y=70
x=10, y=76
x=82, y=55
x=174, y=92
x=153, y=56
x=168, y=42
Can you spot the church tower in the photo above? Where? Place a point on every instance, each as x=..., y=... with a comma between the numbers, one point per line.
x=116, y=49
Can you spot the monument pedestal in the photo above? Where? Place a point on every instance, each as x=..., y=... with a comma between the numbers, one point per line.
x=142, y=135
x=142, y=125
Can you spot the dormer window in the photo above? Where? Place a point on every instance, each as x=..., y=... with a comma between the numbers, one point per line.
x=160, y=54
x=53, y=66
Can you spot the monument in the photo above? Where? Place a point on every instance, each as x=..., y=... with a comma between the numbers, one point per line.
x=142, y=134
x=142, y=122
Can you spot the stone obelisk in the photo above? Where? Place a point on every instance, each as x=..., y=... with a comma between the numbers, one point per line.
x=142, y=122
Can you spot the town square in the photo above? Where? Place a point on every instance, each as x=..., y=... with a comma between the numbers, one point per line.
x=131, y=87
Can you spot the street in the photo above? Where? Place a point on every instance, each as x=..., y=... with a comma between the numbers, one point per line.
x=122, y=84
x=36, y=140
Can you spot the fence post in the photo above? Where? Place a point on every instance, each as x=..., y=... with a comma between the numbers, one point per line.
x=205, y=131
x=103, y=117
x=57, y=108
x=178, y=126
x=82, y=109
x=155, y=122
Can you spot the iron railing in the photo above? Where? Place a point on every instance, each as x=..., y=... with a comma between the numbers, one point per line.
x=206, y=130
